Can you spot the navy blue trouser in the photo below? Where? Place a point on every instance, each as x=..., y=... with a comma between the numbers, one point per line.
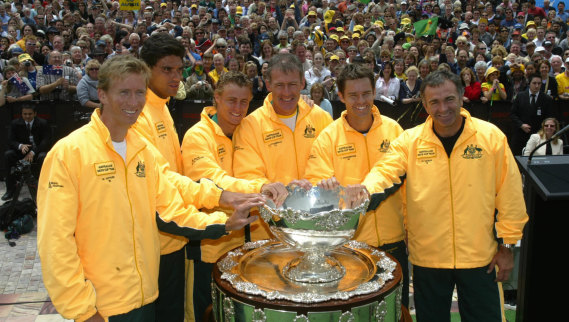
x=171, y=286
x=399, y=251
x=478, y=294
x=142, y=314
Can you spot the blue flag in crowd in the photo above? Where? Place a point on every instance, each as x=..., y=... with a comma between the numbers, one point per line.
x=52, y=70
x=21, y=85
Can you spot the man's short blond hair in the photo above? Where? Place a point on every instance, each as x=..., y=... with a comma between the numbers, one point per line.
x=119, y=67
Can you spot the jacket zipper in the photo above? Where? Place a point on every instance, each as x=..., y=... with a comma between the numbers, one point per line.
x=133, y=239
x=374, y=212
x=452, y=213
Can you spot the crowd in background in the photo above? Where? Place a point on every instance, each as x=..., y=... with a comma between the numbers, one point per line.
x=479, y=40
x=52, y=50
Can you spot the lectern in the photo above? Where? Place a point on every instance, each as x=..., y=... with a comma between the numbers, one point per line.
x=541, y=281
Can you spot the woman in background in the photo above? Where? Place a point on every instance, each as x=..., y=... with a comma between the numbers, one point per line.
x=549, y=126
x=472, y=88
x=317, y=95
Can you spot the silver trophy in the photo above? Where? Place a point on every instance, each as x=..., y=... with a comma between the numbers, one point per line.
x=315, y=222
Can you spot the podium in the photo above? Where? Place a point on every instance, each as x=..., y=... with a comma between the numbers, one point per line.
x=546, y=192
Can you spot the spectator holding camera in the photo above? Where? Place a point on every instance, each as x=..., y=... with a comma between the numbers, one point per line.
x=197, y=85
x=29, y=69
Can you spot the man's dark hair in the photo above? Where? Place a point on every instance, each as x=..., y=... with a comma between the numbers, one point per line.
x=353, y=72
x=535, y=75
x=243, y=40
x=439, y=77
x=159, y=46
x=28, y=106
x=286, y=63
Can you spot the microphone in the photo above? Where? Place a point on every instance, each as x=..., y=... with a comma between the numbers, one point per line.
x=558, y=134
x=553, y=137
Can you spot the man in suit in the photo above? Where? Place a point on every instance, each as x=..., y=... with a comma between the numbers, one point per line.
x=29, y=140
x=529, y=109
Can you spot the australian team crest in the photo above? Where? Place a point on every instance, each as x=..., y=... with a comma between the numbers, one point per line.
x=384, y=146
x=141, y=169
x=309, y=132
x=472, y=151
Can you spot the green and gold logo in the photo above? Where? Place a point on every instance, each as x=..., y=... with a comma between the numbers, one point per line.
x=384, y=146
x=309, y=132
x=472, y=151
x=140, y=169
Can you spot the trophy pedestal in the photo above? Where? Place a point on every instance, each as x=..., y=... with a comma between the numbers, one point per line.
x=249, y=285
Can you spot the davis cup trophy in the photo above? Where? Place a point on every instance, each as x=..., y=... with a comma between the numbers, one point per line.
x=313, y=271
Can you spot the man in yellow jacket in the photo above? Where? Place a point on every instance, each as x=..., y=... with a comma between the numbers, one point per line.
x=273, y=142
x=163, y=54
x=459, y=171
x=103, y=194
x=349, y=147
x=207, y=152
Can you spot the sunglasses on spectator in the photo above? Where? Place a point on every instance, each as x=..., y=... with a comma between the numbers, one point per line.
x=94, y=68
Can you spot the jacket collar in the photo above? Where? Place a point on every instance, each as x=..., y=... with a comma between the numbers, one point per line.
x=205, y=117
x=134, y=142
x=154, y=100
x=303, y=109
x=376, y=120
x=428, y=134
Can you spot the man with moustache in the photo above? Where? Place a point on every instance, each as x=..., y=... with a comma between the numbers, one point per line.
x=273, y=143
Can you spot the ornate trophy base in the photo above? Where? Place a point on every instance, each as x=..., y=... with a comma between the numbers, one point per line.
x=248, y=285
x=313, y=267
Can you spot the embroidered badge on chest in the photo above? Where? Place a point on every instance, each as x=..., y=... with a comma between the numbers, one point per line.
x=472, y=151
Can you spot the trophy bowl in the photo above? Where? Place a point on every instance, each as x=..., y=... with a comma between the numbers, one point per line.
x=315, y=222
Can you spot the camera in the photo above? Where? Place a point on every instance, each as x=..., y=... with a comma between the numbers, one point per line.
x=22, y=168
x=68, y=63
x=27, y=63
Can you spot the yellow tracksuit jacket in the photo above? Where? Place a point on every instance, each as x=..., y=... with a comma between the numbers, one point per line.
x=264, y=147
x=208, y=153
x=156, y=125
x=344, y=153
x=98, y=221
x=451, y=200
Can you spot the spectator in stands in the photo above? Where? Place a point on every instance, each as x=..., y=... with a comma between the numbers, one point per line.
x=29, y=69
x=563, y=82
x=87, y=87
x=492, y=89
x=219, y=68
x=260, y=90
x=517, y=80
x=480, y=69
x=317, y=95
x=387, y=85
x=472, y=88
x=549, y=126
x=32, y=46
x=56, y=81
x=409, y=89
x=197, y=85
x=18, y=88
x=318, y=72
x=548, y=82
